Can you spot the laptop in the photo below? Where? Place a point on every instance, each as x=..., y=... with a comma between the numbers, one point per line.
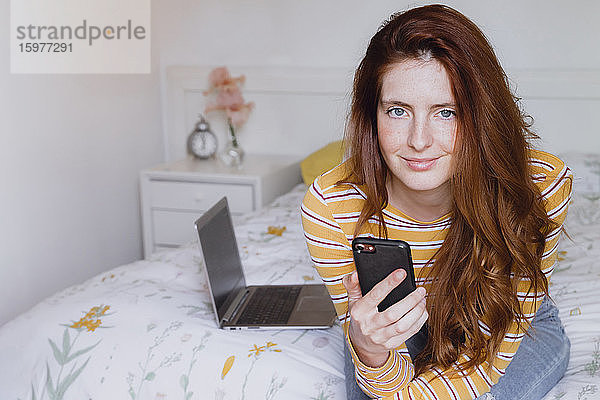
x=238, y=306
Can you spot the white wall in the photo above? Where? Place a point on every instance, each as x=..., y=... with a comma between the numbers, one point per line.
x=71, y=145
x=544, y=36
x=71, y=148
x=527, y=34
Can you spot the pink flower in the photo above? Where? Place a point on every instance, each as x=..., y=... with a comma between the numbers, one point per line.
x=228, y=97
x=239, y=116
x=220, y=79
x=219, y=76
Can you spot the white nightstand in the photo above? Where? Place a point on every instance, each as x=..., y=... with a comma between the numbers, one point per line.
x=174, y=195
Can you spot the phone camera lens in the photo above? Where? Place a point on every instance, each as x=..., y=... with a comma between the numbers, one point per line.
x=360, y=247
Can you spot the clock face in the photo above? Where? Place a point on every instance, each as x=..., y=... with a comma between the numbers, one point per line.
x=203, y=144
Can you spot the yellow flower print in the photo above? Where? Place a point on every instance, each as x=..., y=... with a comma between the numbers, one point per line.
x=561, y=255
x=276, y=230
x=91, y=320
x=270, y=345
x=257, y=351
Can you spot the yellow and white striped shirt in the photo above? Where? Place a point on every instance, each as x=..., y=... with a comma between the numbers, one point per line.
x=329, y=215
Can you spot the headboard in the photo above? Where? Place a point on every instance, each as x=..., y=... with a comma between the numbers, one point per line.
x=298, y=110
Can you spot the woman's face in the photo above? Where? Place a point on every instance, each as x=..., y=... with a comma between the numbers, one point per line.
x=416, y=124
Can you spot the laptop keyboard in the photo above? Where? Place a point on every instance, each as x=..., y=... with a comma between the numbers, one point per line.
x=270, y=305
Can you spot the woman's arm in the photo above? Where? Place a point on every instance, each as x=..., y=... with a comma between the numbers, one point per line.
x=331, y=253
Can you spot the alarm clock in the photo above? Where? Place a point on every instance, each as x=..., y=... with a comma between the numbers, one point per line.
x=202, y=143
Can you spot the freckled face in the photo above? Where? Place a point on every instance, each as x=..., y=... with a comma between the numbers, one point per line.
x=416, y=125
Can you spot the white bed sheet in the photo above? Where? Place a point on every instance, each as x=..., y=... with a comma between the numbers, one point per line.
x=153, y=334
x=159, y=339
x=575, y=287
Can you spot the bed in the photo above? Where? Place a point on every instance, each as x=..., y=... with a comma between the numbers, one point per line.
x=147, y=330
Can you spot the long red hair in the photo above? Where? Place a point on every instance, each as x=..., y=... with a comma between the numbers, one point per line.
x=499, y=223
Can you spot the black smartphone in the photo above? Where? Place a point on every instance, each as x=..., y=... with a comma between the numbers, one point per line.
x=375, y=259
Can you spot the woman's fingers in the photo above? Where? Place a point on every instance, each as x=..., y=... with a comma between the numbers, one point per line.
x=398, y=310
x=383, y=288
x=406, y=326
x=373, y=332
x=352, y=286
x=396, y=341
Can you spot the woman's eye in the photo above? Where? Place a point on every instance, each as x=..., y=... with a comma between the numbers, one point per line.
x=397, y=112
x=447, y=113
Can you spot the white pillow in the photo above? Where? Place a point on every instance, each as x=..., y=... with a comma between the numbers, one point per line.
x=585, y=205
x=586, y=172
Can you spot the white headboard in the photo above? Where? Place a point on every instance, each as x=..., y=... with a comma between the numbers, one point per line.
x=564, y=105
x=299, y=110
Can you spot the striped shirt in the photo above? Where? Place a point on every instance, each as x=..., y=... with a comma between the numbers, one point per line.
x=329, y=215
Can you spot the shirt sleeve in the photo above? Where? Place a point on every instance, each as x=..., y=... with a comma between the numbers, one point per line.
x=331, y=253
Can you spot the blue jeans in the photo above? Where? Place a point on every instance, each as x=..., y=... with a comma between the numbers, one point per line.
x=537, y=366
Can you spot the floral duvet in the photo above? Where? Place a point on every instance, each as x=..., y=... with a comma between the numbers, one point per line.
x=147, y=330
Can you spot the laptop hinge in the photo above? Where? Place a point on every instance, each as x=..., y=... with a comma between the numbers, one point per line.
x=235, y=305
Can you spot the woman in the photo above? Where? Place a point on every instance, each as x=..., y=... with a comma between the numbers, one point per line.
x=439, y=157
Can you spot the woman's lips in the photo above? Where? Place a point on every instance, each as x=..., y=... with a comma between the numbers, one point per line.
x=420, y=164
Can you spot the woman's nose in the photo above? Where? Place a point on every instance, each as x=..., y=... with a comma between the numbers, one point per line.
x=420, y=136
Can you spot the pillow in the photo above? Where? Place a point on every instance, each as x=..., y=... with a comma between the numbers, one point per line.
x=586, y=172
x=321, y=161
x=585, y=205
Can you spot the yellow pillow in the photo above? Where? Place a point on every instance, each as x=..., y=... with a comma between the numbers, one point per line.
x=321, y=161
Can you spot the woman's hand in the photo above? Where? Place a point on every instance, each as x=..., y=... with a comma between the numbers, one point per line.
x=372, y=333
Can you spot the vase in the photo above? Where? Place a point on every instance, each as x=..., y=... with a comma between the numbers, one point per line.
x=233, y=155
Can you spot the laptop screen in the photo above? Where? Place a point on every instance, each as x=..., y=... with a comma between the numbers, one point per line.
x=221, y=256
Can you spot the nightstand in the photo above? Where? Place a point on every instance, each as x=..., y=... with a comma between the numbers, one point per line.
x=174, y=195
